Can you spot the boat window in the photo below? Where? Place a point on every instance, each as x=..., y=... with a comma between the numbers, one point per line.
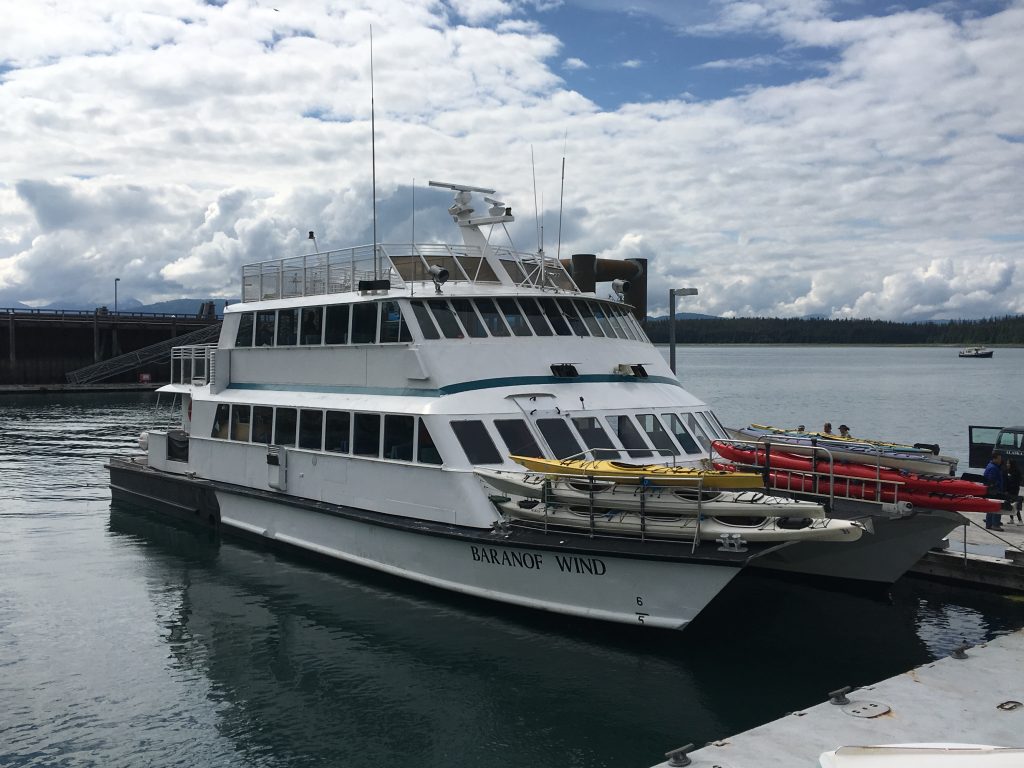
x=240, y=423
x=559, y=437
x=491, y=318
x=470, y=321
x=243, y=338
x=684, y=438
x=427, y=327
x=697, y=431
x=476, y=442
x=517, y=438
x=312, y=329
x=534, y=316
x=622, y=427
x=398, y=437
x=588, y=317
x=336, y=431
x=514, y=271
x=311, y=428
x=620, y=316
x=366, y=434
x=606, y=326
x=220, y=422
x=659, y=438
x=284, y=426
x=718, y=423
x=265, y=329
x=240, y=415
x=393, y=327
x=426, y=451
x=364, y=323
x=708, y=424
x=613, y=320
x=287, y=327
x=336, y=325
x=478, y=269
x=514, y=317
x=446, y=319
x=595, y=438
x=578, y=327
x=555, y=317
x=262, y=424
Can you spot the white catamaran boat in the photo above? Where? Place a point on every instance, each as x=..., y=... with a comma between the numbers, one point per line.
x=352, y=394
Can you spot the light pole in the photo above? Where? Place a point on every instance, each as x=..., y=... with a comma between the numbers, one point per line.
x=672, y=293
x=116, y=281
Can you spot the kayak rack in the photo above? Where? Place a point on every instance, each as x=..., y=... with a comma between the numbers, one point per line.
x=794, y=480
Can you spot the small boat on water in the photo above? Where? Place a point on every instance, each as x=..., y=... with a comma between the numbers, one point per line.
x=975, y=352
x=921, y=458
x=662, y=474
x=751, y=529
x=607, y=494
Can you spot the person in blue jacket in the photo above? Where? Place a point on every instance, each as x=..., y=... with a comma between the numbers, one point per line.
x=996, y=489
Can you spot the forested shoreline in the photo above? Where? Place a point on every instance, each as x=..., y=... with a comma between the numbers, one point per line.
x=1007, y=330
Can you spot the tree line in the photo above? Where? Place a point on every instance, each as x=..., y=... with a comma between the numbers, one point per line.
x=779, y=330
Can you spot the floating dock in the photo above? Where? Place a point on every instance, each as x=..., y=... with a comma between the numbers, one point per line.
x=978, y=557
x=976, y=699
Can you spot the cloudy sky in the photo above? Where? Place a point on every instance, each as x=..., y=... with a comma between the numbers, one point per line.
x=847, y=158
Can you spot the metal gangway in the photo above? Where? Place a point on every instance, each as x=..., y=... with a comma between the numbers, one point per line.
x=158, y=352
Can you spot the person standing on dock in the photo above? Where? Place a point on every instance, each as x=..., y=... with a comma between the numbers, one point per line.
x=1013, y=487
x=996, y=489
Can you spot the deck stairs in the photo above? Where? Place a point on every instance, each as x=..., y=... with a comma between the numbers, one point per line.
x=160, y=351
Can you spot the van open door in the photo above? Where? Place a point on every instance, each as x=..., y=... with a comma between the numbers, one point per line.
x=983, y=440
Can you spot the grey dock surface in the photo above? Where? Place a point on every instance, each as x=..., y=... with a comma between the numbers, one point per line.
x=978, y=557
x=975, y=700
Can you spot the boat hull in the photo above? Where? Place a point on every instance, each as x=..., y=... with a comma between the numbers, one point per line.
x=657, y=585
x=892, y=547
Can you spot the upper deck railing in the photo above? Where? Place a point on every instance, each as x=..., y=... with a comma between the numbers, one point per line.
x=341, y=271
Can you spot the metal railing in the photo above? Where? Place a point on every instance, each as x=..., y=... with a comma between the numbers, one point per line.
x=79, y=313
x=341, y=271
x=193, y=364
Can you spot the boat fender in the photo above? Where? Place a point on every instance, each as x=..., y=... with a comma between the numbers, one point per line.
x=144, y=441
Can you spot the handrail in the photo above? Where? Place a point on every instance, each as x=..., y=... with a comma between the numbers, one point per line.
x=93, y=312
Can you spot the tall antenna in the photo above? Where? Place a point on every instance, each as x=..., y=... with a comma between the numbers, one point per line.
x=412, y=242
x=561, y=197
x=373, y=161
x=536, y=213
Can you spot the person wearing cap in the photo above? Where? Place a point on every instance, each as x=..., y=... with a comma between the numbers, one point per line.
x=844, y=431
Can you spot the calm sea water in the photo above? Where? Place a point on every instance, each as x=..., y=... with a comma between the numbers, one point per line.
x=126, y=640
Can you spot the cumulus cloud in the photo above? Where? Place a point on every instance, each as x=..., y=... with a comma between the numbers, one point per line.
x=574, y=63
x=169, y=145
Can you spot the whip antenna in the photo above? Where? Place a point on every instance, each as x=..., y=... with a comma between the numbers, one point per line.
x=373, y=162
x=561, y=197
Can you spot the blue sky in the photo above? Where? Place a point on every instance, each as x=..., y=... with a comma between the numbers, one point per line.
x=786, y=157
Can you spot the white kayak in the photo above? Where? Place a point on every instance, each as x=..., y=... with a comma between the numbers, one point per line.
x=629, y=497
x=685, y=527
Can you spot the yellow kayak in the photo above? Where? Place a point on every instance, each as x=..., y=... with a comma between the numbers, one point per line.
x=658, y=474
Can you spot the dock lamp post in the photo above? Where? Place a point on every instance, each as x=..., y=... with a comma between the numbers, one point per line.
x=672, y=293
x=116, y=281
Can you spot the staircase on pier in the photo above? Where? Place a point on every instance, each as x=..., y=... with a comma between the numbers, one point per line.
x=140, y=357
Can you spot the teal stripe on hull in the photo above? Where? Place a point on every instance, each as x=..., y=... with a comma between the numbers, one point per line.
x=465, y=386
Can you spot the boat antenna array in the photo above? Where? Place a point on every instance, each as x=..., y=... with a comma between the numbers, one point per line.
x=373, y=162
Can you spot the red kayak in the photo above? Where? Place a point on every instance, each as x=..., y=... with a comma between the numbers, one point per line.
x=912, y=482
x=861, y=489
